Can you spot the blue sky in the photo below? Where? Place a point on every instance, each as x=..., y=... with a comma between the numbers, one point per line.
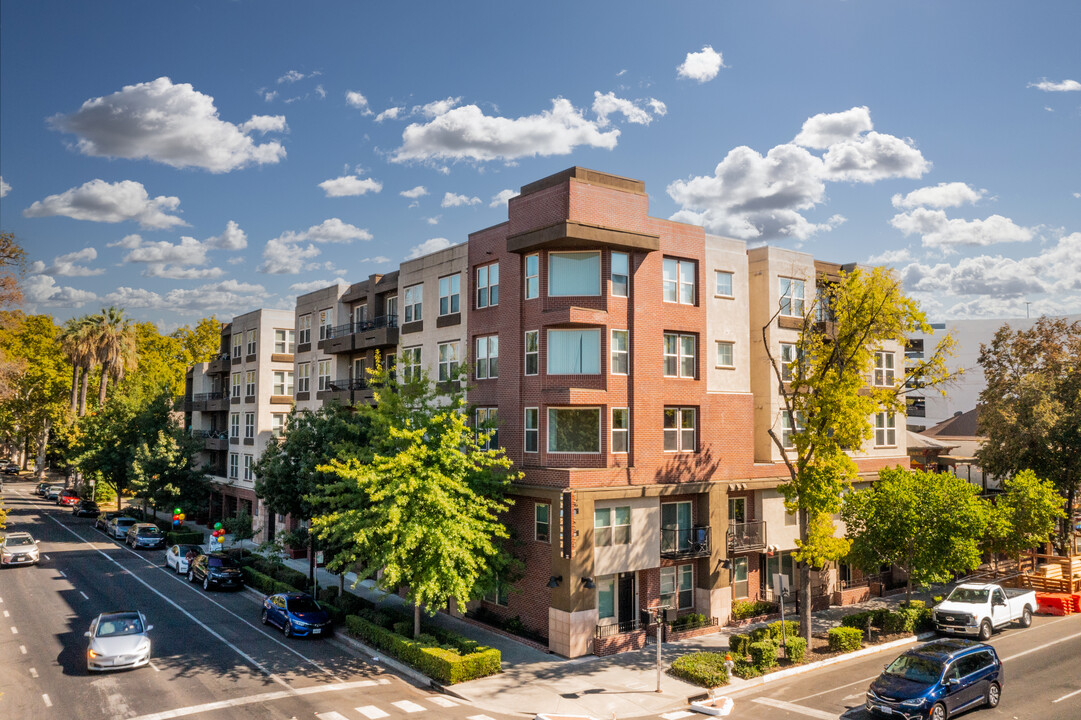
x=182, y=159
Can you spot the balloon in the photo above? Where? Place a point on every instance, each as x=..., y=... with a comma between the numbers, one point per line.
x=221, y=538
x=217, y=526
x=177, y=511
x=181, y=516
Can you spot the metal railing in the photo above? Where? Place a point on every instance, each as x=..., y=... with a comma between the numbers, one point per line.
x=203, y=397
x=383, y=321
x=346, y=384
x=620, y=628
x=746, y=536
x=210, y=434
x=686, y=542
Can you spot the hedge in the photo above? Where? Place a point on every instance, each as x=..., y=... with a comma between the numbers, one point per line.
x=738, y=644
x=763, y=654
x=184, y=538
x=440, y=664
x=264, y=583
x=743, y=609
x=791, y=628
x=701, y=668
x=845, y=639
x=745, y=670
x=861, y=620
x=280, y=572
x=761, y=634
x=795, y=648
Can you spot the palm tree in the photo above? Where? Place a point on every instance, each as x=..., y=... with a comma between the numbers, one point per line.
x=114, y=342
x=76, y=341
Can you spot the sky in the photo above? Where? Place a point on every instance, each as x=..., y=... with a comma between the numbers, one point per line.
x=186, y=159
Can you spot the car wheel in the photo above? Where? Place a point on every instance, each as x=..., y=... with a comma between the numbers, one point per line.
x=1026, y=617
x=206, y=583
x=263, y=618
x=288, y=629
x=938, y=712
x=994, y=694
x=191, y=576
x=985, y=631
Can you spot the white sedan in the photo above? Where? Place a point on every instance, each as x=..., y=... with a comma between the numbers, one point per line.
x=176, y=557
x=118, y=640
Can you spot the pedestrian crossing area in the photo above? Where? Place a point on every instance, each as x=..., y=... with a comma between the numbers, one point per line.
x=398, y=709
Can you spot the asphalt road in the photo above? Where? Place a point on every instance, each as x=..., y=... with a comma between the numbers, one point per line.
x=211, y=658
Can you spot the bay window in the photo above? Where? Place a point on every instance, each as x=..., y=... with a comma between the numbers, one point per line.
x=574, y=273
x=574, y=352
x=574, y=430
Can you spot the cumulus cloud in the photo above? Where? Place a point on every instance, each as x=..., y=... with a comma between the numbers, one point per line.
x=943, y=195
x=389, y=114
x=502, y=197
x=43, y=290
x=4, y=187
x=169, y=123
x=185, y=260
x=453, y=200
x=307, y=287
x=232, y=239
x=608, y=104
x=427, y=247
x=358, y=101
x=68, y=264
x=434, y=220
x=436, y=107
x=350, y=186
x=890, y=257
x=939, y=231
x=100, y=201
x=1064, y=86
x=291, y=77
x=225, y=297
x=331, y=230
x=414, y=193
x=701, y=66
x=288, y=254
x=466, y=133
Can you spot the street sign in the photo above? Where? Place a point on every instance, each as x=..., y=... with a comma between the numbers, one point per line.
x=780, y=584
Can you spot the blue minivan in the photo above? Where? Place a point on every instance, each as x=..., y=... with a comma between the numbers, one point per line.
x=937, y=680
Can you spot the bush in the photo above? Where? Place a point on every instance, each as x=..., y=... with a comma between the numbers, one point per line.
x=914, y=604
x=763, y=654
x=925, y=620
x=701, y=668
x=280, y=572
x=937, y=599
x=894, y=622
x=795, y=648
x=693, y=620
x=845, y=639
x=745, y=670
x=859, y=620
x=791, y=629
x=184, y=538
x=761, y=634
x=739, y=645
x=264, y=583
x=743, y=609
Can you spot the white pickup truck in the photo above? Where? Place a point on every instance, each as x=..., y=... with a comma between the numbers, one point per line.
x=980, y=609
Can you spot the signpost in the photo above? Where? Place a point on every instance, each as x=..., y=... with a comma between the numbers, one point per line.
x=780, y=589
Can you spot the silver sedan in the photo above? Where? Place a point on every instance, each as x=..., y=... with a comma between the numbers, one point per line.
x=118, y=640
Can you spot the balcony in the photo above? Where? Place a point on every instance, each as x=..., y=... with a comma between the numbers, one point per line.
x=378, y=332
x=686, y=542
x=347, y=391
x=747, y=536
x=212, y=439
x=220, y=364
x=917, y=407
x=200, y=402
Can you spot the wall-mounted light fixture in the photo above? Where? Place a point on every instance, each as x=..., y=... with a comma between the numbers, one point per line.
x=553, y=581
x=588, y=582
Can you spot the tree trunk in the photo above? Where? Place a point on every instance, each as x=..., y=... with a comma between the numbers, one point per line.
x=104, y=384
x=43, y=442
x=416, y=620
x=85, y=386
x=804, y=583
x=74, y=387
x=311, y=559
x=341, y=584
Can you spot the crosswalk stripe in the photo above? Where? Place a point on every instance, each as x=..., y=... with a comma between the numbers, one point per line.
x=371, y=712
x=408, y=706
x=331, y=715
x=677, y=715
x=479, y=717
x=443, y=701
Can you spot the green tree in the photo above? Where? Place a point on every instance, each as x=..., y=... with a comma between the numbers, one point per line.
x=163, y=471
x=202, y=342
x=77, y=343
x=930, y=525
x=1030, y=410
x=12, y=260
x=114, y=343
x=240, y=527
x=1025, y=516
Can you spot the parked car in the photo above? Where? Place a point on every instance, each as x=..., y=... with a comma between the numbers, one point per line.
x=85, y=508
x=979, y=609
x=67, y=497
x=18, y=548
x=53, y=492
x=938, y=680
x=176, y=557
x=145, y=535
x=216, y=570
x=119, y=525
x=297, y=614
x=40, y=488
x=10, y=469
x=118, y=640
x=102, y=523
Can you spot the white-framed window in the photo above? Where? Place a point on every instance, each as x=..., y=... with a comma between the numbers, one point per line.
x=249, y=467
x=740, y=585
x=450, y=288
x=324, y=375
x=574, y=352
x=574, y=430
x=884, y=376
x=390, y=364
x=532, y=429
x=283, y=382
x=391, y=312
x=680, y=428
x=678, y=281
x=621, y=430
x=305, y=327
x=788, y=359
x=360, y=315
x=487, y=359
x=790, y=428
x=621, y=274
x=611, y=526
x=326, y=320
x=501, y=595
x=792, y=297
x=249, y=425
x=488, y=285
x=236, y=384
x=284, y=342
x=448, y=361
x=277, y=424
x=532, y=276
x=574, y=273
x=488, y=422
x=234, y=466
x=722, y=283
x=532, y=352
x=621, y=356
x=234, y=425
x=249, y=384
x=252, y=342
x=304, y=374
x=542, y=522
x=677, y=586
x=414, y=303
x=606, y=598
x=885, y=429
x=680, y=356
x=238, y=345
x=411, y=363
x=725, y=354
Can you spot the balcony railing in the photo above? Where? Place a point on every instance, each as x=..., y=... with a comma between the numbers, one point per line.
x=383, y=321
x=686, y=542
x=342, y=384
x=210, y=434
x=203, y=397
x=626, y=626
x=746, y=536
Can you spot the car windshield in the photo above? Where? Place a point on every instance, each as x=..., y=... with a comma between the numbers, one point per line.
x=303, y=604
x=19, y=540
x=125, y=521
x=968, y=595
x=222, y=562
x=149, y=531
x=915, y=668
x=112, y=625
x=185, y=549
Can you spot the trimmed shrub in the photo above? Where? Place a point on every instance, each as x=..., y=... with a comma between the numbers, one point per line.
x=264, y=583
x=925, y=620
x=738, y=644
x=184, y=538
x=445, y=666
x=701, y=668
x=761, y=634
x=763, y=654
x=281, y=572
x=915, y=604
x=791, y=628
x=743, y=609
x=859, y=620
x=795, y=649
x=896, y=622
x=693, y=620
x=745, y=670
x=845, y=639
x=403, y=628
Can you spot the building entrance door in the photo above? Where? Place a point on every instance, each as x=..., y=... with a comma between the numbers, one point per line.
x=625, y=595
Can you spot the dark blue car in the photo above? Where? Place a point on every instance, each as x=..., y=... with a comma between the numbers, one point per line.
x=297, y=614
x=938, y=680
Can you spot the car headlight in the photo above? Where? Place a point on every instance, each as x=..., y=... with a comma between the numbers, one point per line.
x=914, y=702
x=91, y=653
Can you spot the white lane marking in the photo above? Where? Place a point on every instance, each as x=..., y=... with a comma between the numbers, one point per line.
x=33, y=672
x=22, y=649
x=853, y=697
x=331, y=715
x=371, y=712
x=7, y=614
x=45, y=556
x=677, y=715
x=1068, y=695
x=14, y=630
x=408, y=706
x=84, y=595
x=792, y=707
x=442, y=701
x=48, y=702
x=1, y=600
x=61, y=572
x=151, y=664
x=1042, y=647
x=479, y=717
x=253, y=699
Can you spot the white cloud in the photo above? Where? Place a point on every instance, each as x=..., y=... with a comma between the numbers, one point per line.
x=68, y=264
x=176, y=272
x=286, y=254
x=825, y=129
x=415, y=193
x=232, y=239
x=270, y=95
x=320, y=91
x=264, y=124
x=184, y=260
x=307, y=287
x=389, y=114
x=658, y=107
x=943, y=195
x=466, y=133
x=437, y=107
x=350, y=186
x=4, y=187
x=502, y=197
x=331, y=230
x=453, y=200
x=605, y=105
x=171, y=124
x=225, y=298
x=358, y=101
x=43, y=290
x=284, y=258
x=291, y=77
x=427, y=247
x=434, y=220
x=874, y=156
x=939, y=231
x=100, y=201
x=1064, y=86
x=890, y=257
x=701, y=66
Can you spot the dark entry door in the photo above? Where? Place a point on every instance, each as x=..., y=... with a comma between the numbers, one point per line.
x=626, y=613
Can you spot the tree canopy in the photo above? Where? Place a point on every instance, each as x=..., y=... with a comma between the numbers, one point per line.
x=163, y=471
x=1025, y=516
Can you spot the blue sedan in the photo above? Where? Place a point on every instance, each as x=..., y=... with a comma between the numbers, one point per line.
x=297, y=614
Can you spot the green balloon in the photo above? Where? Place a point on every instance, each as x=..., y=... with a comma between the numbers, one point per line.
x=217, y=526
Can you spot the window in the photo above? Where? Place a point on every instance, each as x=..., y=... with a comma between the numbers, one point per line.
x=277, y=424
x=411, y=363
x=620, y=274
x=611, y=526
x=737, y=511
x=392, y=310
x=360, y=315
x=283, y=383
x=621, y=360
x=789, y=519
x=391, y=365
x=781, y=564
x=679, y=355
x=532, y=429
x=678, y=281
x=487, y=357
x=249, y=383
x=574, y=273
x=739, y=578
x=677, y=586
x=324, y=375
x=449, y=294
x=884, y=369
x=252, y=345
x=234, y=465
x=676, y=532
x=722, y=283
x=885, y=430
x=532, y=276
x=542, y=513
x=236, y=385
x=621, y=429
x=249, y=470
x=679, y=429
x=574, y=352
x=488, y=285
x=305, y=329
x=532, y=352
x=606, y=598
x=234, y=425
x=791, y=297
x=284, y=341
x=448, y=361
x=789, y=429
x=725, y=354
x=238, y=345
x=304, y=371
x=487, y=422
x=788, y=359
x=574, y=430
x=499, y=596
x=249, y=425
x=414, y=301
x=325, y=321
